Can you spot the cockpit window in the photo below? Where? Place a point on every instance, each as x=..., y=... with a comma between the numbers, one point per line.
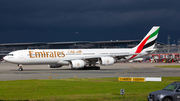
x=9, y=54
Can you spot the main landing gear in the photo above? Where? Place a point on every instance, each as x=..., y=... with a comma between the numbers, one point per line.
x=90, y=68
x=20, y=67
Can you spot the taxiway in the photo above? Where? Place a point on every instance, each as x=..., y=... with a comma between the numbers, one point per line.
x=10, y=71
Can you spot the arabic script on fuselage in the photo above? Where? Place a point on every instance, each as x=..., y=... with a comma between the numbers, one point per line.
x=74, y=52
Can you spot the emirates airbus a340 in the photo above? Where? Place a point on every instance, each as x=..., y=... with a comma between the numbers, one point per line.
x=83, y=58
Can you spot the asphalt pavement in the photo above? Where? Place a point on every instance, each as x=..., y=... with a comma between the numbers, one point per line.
x=10, y=71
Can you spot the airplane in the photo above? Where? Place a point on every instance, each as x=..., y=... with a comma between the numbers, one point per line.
x=83, y=58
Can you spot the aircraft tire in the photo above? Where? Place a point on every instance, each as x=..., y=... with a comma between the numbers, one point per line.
x=97, y=68
x=90, y=68
x=20, y=69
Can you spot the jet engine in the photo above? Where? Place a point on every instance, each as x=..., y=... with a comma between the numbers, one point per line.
x=106, y=60
x=77, y=63
x=54, y=66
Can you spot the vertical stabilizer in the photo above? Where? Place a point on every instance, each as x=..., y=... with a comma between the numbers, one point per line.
x=148, y=43
x=149, y=40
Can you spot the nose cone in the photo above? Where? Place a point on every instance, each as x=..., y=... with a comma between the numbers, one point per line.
x=5, y=58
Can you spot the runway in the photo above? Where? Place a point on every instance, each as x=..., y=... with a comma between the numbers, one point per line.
x=10, y=71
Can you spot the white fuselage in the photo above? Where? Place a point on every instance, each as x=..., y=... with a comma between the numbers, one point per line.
x=56, y=56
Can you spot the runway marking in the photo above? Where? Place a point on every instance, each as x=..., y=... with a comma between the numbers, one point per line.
x=134, y=67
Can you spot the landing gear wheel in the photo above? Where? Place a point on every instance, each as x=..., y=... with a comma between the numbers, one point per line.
x=97, y=68
x=90, y=68
x=20, y=69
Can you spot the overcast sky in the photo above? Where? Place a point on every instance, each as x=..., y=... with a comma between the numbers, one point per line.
x=87, y=20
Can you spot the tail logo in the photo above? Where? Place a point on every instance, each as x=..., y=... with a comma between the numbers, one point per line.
x=144, y=43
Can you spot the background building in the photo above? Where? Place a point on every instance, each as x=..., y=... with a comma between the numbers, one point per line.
x=6, y=48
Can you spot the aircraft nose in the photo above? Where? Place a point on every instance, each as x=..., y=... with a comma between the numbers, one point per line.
x=5, y=58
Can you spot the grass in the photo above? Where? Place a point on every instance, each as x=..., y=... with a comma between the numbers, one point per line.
x=89, y=89
x=170, y=66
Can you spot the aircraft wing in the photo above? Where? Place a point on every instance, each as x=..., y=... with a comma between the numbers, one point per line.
x=98, y=56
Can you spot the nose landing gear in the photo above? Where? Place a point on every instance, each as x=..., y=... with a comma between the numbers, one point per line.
x=20, y=67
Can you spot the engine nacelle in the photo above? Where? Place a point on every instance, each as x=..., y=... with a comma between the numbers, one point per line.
x=77, y=63
x=54, y=66
x=106, y=61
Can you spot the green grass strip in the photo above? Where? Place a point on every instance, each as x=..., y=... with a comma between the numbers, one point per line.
x=170, y=66
x=89, y=89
